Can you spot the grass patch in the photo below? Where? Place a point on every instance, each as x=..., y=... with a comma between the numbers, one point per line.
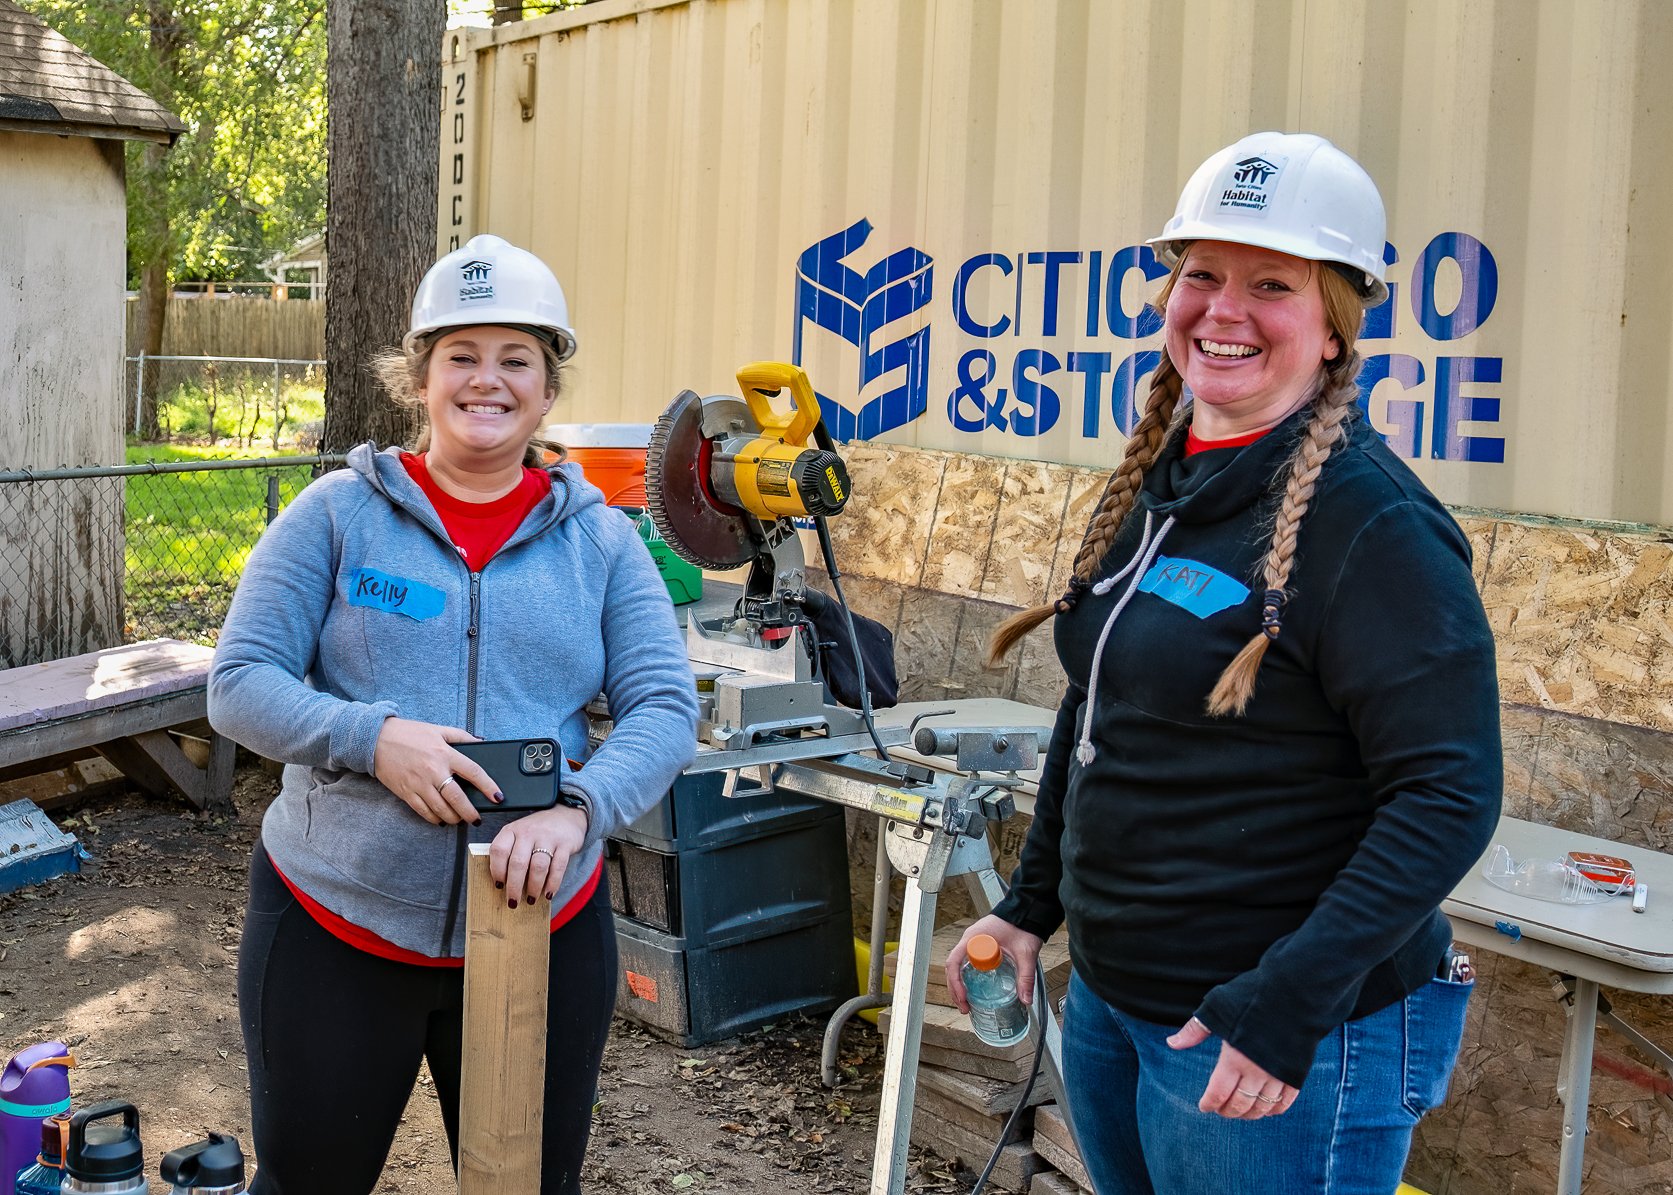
x=235, y=404
x=188, y=536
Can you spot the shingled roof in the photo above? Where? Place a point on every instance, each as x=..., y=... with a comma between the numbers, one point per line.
x=48, y=85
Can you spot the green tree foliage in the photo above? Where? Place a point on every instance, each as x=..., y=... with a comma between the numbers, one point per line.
x=247, y=77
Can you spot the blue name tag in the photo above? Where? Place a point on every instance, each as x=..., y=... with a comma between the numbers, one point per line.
x=396, y=595
x=1192, y=586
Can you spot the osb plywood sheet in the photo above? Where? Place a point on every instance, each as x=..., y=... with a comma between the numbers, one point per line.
x=883, y=532
x=1499, y=1130
x=1086, y=488
x=1480, y=534
x=1601, y=778
x=1584, y=621
x=969, y=668
x=1033, y=499
x=876, y=600
x=1040, y=679
x=962, y=531
x=924, y=642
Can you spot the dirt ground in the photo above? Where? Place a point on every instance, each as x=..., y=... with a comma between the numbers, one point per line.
x=133, y=963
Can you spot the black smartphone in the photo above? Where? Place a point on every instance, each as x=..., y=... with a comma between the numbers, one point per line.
x=527, y=771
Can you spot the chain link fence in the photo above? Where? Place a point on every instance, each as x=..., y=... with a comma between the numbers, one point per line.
x=95, y=556
x=266, y=403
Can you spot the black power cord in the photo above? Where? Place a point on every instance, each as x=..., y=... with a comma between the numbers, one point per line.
x=822, y=526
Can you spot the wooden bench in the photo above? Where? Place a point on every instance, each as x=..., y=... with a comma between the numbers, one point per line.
x=120, y=702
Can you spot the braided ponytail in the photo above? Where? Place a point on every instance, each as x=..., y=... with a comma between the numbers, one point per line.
x=1121, y=491
x=1338, y=392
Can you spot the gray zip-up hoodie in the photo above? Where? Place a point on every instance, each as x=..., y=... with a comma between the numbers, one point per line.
x=355, y=607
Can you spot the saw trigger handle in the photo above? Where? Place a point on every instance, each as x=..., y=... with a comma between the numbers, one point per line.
x=764, y=378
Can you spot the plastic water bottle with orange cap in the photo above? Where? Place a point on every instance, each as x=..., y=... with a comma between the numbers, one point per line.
x=990, y=985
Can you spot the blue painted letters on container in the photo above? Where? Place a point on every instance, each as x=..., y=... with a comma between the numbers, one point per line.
x=1480, y=290
x=1040, y=403
x=1094, y=366
x=1144, y=322
x=1124, y=396
x=961, y=304
x=1380, y=320
x=1404, y=417
x=1453, y=408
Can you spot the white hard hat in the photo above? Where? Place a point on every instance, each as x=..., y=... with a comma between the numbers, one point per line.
x=1293, y=192
x=491, y=281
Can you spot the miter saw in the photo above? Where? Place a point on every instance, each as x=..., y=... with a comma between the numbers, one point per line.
x=724, y=480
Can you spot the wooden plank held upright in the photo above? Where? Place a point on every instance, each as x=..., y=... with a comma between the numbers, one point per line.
x=504, y=1066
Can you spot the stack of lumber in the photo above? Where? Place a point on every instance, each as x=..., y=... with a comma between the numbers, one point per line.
x=967, y=1089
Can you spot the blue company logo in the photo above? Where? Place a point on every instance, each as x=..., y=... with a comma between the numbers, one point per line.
x=475, y=282
x=859, y=307
x=1254, y=172
x=1252, y=181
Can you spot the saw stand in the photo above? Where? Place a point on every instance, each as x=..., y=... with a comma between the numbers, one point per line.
x=934, y=828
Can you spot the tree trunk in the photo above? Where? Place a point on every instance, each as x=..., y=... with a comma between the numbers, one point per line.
x=153, y=310
x=153, y=212
x=383, y=79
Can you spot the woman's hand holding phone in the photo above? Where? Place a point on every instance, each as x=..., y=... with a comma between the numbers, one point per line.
x=416, y=762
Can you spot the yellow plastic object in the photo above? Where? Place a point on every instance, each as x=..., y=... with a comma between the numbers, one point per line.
x=762, y=378
x=1404, y=1189
x=862, y=972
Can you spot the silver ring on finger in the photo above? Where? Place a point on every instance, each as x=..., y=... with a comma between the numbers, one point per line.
x=1254, y=1095
x=540, y=850
x=445, y=783
x=1269, y=1099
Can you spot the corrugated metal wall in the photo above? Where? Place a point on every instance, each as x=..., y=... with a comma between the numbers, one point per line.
x=984, y=171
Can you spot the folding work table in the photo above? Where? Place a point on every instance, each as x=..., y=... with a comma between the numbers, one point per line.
x=1600, y=945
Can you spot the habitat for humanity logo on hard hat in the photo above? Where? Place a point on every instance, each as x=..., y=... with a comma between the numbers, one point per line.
x=861, y=308
x=474, y=281
x=1252, y=182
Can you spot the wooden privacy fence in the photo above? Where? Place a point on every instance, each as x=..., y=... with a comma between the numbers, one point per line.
x=238, y=327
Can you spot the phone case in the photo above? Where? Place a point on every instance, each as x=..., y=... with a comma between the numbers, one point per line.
x=527, y=771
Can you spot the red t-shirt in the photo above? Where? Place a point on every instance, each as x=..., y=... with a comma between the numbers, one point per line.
x=1195, y=444
x=478, y=530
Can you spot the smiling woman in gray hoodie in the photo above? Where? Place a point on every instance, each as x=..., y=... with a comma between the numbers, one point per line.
x=406, y=603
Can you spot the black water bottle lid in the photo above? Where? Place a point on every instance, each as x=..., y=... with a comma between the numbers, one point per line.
x=102, y=1152
x=217, y=1162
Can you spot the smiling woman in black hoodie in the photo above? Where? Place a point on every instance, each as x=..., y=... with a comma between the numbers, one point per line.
x=1279, y=746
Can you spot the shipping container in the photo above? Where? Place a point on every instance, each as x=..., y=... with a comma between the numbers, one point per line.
x=940, y=207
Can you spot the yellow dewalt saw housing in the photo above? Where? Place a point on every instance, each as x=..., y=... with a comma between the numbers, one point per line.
x=723, y=478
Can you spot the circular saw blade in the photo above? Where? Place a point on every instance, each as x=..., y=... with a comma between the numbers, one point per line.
x=680, y=499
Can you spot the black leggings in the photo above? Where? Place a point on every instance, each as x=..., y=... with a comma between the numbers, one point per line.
x=334, y=1037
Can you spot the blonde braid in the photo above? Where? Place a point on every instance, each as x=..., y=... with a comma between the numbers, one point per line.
x=1336, y=398
x=1143, y=447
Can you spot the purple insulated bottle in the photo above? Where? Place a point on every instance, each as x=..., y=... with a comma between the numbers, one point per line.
x=34, y=1085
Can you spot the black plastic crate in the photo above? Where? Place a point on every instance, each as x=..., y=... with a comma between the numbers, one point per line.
x=696, y=814
x=718, y=895
x=699, y=994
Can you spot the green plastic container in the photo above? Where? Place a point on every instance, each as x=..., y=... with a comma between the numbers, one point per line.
x=683, y=579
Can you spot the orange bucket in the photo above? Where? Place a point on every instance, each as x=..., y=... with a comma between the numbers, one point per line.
x=612, y=455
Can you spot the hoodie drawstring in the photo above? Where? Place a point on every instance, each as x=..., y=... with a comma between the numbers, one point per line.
x=1138, y=566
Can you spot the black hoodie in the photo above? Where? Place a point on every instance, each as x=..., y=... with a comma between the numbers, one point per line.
x=1276, y=873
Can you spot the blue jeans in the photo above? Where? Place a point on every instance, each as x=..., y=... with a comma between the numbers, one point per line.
x=1133, y=1102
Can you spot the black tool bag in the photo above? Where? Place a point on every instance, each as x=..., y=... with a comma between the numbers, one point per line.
x=836, y=656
